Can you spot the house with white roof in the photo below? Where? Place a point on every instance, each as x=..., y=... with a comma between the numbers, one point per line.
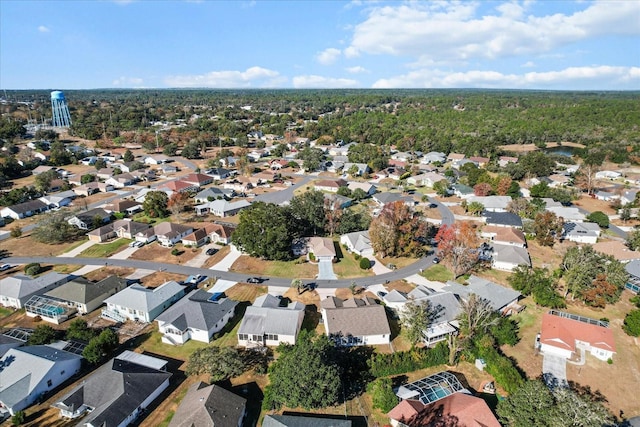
x=267, y=323
x=213, y=193
x=426, y=179
x=358, y=242
x=142, y=304
x=581, y=232
x=492, y=203
x=569, y=214
x=29, y=372
x=16, y=290
x=397, y=299
x=433, y=157
x=197, y=316
x=355, y=321
x=607, y=174
x=370, y=189
x=57, y=200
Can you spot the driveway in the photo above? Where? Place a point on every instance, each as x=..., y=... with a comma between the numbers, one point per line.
x=378, y=267
x=228, y=260
x=554, y=371
x=77, y=251
x=325, y=270
x=200, y=258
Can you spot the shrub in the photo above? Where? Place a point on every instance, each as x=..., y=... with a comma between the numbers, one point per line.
x=365, y=264
x=632, y=323
x=610, y=361
x=382, y=394
x=312, y=257
x=356, y=256
x=175, y=252
x=382, y=365
x=33, y=268
x=18, y=418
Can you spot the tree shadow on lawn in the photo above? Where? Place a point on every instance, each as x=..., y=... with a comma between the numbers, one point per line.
x=311, y=317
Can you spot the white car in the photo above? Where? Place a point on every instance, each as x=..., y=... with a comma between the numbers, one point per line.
x=4, y=267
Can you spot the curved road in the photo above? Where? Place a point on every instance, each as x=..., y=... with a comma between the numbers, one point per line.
x=416, y=267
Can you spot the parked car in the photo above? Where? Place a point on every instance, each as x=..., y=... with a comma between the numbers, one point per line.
x=211, y=251
x=436, y=260
x=137, y=244
x=392, y=266
x=254, y=280
x=4, y=267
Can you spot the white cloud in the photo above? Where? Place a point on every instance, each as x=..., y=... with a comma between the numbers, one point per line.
x=356, y=70
x=328, y=56
x=43, y=29
x=454, y=31
x=596, y=77
x=320, y=82
x=251, y=77
x=528, y=64
x=128, y=82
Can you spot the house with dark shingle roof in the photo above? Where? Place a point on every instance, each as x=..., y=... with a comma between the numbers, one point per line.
x=501, y=298
x=300, y=421
x=209, y=406
x=117, y=392
x=87, y=296
x=355, y=321
x=24, y=210
x=86, y=220
x=502, y=219
x=197, y=316
x=633, y=283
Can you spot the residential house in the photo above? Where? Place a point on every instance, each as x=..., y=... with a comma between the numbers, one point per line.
x=88, y=220
x=117, y=392
x=266, y=323
x=86, y=296
x=425, y=179
x=105, y=173
x=198, y=179
x=239, y=184
x=504, y=235
x=606, y=196
x=335, y=201
x=491, y=203
x=156, y=159
x=369, y=189
x=581, y=232
x=455, y=159
x=330, y=185
x=386, y=198
x=142, y=304
x=479, y=161
x=358, y=242
x=456, y=409
x=8, y=340
x=29, y=372
x=360, y=168
x=228, y=162
x=509, y=257
x=322, y=248
x=169, y=233
x=221, y=207
x=303, y=421
x=180, y=187
x=219, y=233
x=397, y=300
x=41, y=169
x=629, y=196
x=196, y=239
x=502, y=299
x=167, y=169
x=433, y=157
x=463, y=191
x=394, y=173
x=278, y=164
x=502, y=219
x=213, y=193
x=16, y=290
x=633, y=282
x=59, y=200
x=122, y=180
x=355, y=321
x=92, y=188
x=43, y=156
x=218, y=174
x=503, y=161
x=144, y=174
x=445, y=310
x=122, y=228
x=558, y=180
x=608, y=174
x=569, y=214
x=562, y=334
x=125, y=206
x=616, y=249
x=24, y=210
x=209, y=406
x=256, y=155
x=403, y=156
x=197, y=316
x=333, y=166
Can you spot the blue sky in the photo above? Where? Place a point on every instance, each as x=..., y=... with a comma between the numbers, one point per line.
x=545, y=44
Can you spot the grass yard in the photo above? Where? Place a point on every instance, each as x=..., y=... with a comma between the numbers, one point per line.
x=257, y=267
x=347, y=266
x=154, y=344
x=105, y=250
x=66, y=268
x=104, y=272
x=438, y=273
x=4, y=312
x=245, y=292
x=400, y=262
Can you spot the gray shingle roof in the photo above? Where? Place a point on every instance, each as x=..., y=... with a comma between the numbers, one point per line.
x=266, y=317
x=138, y=297
x=20, y=286
x=197, y=312
x=83, y=291
x=511, y=254
x=297, y=421
x=497, y=295
x=357, y=318
x=114, y=390
x=209, y=406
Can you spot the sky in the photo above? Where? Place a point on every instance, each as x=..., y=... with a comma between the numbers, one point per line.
x=544, y=44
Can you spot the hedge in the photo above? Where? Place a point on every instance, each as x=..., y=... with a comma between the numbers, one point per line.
x=401, y=362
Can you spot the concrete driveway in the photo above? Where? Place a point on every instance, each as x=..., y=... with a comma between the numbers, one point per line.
x=554, y=370
x=325, y=270
x=378, y=267
x=228, y=260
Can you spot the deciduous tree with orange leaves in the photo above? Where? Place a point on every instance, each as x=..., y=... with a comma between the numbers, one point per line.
x=398, y=231
x=458, y=246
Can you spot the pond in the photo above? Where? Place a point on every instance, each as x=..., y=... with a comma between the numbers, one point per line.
x=562, y=150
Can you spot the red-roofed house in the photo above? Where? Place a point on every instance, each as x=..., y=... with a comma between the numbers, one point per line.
x=180, y=186
x=457, y=409
x=330, y=185
x=404, y=411
x=219, y=233
x=198, y=179
x=561, y=335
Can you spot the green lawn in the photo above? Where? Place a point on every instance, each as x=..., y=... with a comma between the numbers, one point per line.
x=155, y=345
x=4, y=312
x=286, y=268
x=104, y=250
x=438, y=273
x=66, y=268
x=347, y=266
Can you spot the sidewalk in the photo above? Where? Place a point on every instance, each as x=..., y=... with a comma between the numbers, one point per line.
x=419, y=280
x=77, y=251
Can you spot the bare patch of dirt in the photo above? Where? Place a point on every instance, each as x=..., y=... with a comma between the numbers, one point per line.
x=27, y=246
x=158, y=278
x=157, y=253
x=593, y=205
x=245, y=292
x=105, y=272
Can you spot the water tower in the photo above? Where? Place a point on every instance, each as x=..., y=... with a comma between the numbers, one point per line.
x=59, y=110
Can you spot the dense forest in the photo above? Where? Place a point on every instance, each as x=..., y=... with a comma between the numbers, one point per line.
x=473, y=122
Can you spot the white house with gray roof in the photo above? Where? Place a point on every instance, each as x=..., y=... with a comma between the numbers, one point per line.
x=197, y=316
x=27, y=373
x=16, y=290
x=267, y=323
x=444, y=308
x=358, y=242
x=86, y=296
x=501, y=298
x=397, y=299
x=581, y=232
x=509, y=257
x=142, y=304
x=117, y=392
x=492, y=203
x=355, y=321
